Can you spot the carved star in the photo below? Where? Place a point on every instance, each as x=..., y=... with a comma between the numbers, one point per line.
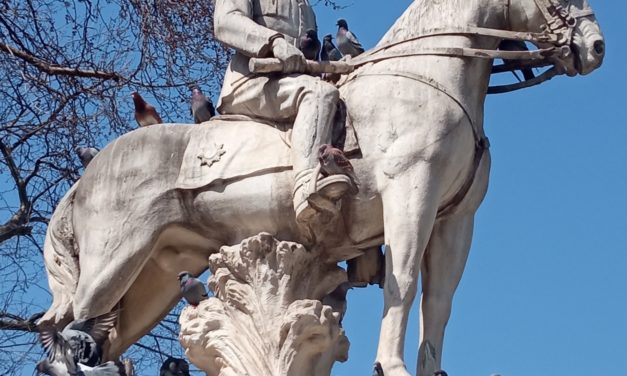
x=213, y=158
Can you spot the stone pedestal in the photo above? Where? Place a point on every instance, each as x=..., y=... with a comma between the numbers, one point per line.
x=267, y=316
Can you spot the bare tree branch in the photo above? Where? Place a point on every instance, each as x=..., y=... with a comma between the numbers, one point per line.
x=53, y=69
x=13, y=322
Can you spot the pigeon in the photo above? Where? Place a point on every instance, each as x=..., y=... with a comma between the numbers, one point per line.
x=517, y=45
x=202, y=107
x=129, y=370
x=193, y=290
x=53, y=368
x=329, y=51
x=86, y=155
x=440, y=373
x=347, y=41
x=310, y=45
x=174, y=367
x=61, y=360
x=145, y=114
x=336, y=299
x=334, y=162
x=58, y=369
x=83, y=338
x=377, y=370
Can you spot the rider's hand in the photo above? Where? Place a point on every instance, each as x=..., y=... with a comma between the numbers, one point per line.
x=293, y=59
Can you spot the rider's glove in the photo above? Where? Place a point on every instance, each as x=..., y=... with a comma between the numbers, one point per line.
x=292, y=58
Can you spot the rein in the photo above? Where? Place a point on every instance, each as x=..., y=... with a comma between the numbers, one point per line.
x=535, y=38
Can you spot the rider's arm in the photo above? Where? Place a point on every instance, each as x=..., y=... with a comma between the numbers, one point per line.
x=234, y=26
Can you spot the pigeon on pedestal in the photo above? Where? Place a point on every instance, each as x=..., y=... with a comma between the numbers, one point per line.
x=174, y=367
x=193, y=289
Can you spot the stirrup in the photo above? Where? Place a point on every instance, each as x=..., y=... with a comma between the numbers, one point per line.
x=312, y=195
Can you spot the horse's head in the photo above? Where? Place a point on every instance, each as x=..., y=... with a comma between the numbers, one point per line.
x=572, y=22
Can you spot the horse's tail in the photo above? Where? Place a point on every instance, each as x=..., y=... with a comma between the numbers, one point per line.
x=61, y=260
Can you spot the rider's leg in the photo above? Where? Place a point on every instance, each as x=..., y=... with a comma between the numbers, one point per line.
x=308, y=102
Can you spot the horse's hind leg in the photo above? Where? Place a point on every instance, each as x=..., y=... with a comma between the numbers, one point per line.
x=442, y=269
x=156, y=290
x=408, y=220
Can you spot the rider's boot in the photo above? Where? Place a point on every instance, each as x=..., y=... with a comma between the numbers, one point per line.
x=315, y=199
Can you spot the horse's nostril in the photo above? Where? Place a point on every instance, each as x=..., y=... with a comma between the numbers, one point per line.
x=599, y=47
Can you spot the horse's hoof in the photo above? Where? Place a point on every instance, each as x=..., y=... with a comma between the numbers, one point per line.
x=440, y=373
x=378, y=370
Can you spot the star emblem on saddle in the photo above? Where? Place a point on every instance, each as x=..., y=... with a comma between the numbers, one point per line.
x=213, y=158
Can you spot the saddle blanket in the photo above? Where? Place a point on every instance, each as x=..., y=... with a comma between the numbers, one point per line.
x=229, y=149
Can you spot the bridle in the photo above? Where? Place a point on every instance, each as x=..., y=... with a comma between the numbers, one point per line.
x=561, y=20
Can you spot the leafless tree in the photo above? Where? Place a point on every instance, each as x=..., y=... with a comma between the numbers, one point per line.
x=67, y=69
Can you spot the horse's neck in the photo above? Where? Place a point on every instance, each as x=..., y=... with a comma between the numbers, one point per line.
x=426, y=15
x=467, y=79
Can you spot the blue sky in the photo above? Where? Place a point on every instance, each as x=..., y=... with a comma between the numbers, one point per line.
x=544, y=289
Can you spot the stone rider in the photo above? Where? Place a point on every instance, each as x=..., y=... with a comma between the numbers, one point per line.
x=272, y=28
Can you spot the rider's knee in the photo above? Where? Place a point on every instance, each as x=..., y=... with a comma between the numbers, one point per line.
x=321, y=91
x=328, y=92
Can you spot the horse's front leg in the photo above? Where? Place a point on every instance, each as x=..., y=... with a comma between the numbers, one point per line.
x=442, y=270
x=410, y=205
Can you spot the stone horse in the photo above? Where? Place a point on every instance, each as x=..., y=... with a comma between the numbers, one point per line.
x=122, y=234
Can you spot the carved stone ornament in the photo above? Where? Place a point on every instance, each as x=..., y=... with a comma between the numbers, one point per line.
x=267, y=317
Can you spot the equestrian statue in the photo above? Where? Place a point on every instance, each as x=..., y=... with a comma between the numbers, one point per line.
x=164, y=198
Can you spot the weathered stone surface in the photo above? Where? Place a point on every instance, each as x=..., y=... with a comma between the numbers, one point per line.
x=127, y=228
x=266, y=317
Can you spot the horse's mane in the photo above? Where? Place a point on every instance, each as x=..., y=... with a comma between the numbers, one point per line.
x=429, y=14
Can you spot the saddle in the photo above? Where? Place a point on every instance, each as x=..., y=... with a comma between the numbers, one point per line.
x=214, y=146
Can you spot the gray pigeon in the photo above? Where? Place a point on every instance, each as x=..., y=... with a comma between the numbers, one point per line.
x=347, y=41
x=83, y=339
x=336, y=299
x=329, y=51
x=86, y=337
x=310, y=45
x=377, y=370
x=202, y=107
x=193, y=289
x=61, y=360
x=53, y=368
x=334, y=162
x=104, y=369
x=174, y=367
x=86, y=155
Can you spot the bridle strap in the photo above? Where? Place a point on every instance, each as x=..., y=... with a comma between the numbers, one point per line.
x=560, y=19
x=466, y=31
x=500, y=89
x=540, y=54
